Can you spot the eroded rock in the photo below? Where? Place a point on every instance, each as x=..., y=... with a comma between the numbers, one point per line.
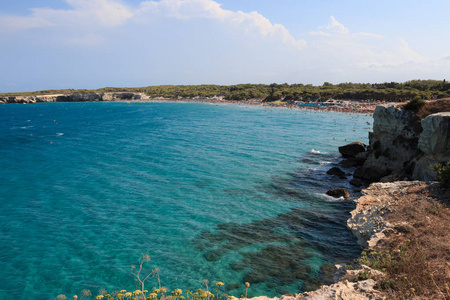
x=352, y=149
x=338, y=193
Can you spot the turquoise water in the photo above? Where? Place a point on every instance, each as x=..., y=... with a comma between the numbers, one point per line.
x=219, y=192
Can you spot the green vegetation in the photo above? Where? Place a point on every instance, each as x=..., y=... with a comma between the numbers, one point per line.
x=443, y=173
x=158, y=292
x=415, y=104
x=389, y=92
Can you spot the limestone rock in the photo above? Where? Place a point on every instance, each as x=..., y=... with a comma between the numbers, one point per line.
x=392, y=145
x=350, y=150
x=367, y=218
x=336, y=171
x=434, y=142
x=338, y=193
x=75, y=97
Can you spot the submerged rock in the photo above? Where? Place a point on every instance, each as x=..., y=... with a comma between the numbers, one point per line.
x=338, y=193
x=336, y=171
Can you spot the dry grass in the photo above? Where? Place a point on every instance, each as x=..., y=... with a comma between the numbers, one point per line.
x=416, y=254
x=432, y=107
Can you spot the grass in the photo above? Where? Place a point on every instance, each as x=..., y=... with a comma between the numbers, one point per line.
x=415, y=255
x=433, y=107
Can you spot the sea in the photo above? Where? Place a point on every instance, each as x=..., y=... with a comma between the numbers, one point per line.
x=217, y=192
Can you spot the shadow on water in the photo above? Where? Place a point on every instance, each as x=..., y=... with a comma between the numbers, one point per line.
x=294, y=251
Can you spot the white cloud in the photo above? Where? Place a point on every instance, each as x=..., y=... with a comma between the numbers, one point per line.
x=332, y=28
x=17, y=23
x=94, y=14
x=249, y=23
x=336, y=27
x=84, y=13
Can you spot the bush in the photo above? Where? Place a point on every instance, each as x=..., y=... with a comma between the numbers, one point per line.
x=415, y=104
x=443, y=173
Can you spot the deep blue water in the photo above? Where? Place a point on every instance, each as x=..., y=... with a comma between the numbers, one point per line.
x=219, y=192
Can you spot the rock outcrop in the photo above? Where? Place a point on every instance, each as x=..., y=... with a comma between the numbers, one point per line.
x=367, y=222
x=117, y=96
x=336, y=171
x=352, y=149
x=434, y=142
x=339, y=193
x=401, y=147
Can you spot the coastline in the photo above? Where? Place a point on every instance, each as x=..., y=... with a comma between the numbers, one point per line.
x=331, y=105
x=401, y=223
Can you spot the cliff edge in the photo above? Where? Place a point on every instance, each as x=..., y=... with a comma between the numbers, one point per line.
x=117, y=96
x=404, y=147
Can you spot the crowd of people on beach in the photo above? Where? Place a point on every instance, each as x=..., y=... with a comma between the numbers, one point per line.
x=345, y=106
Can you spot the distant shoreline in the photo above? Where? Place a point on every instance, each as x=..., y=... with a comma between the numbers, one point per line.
x=332, y=105
x=346, y=106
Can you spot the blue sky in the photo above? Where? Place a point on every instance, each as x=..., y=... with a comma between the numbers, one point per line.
x=57, y=44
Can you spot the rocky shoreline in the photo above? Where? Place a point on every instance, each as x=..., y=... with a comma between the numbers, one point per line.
x=391, y=213
x=91, y=97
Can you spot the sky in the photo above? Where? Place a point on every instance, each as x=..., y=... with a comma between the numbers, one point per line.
x=89, y=44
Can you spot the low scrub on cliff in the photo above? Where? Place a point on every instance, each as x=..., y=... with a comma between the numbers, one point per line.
x=433, y=107
x=415, y=104
x=415, y=253
x=443, y=173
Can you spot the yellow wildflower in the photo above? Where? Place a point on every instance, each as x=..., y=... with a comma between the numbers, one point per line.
x=219, y=283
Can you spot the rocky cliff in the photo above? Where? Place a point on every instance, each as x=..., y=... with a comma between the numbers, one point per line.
x=119, y=96
x=403, y=147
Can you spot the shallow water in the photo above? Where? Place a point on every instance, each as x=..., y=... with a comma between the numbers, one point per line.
x=220, y=192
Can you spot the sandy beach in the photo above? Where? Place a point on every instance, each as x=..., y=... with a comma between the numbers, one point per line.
x=345, y=106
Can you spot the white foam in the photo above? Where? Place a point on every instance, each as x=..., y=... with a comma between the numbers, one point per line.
x=59, y=133
x=315, y=151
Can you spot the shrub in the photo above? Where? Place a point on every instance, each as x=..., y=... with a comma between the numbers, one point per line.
x=443, y=173
x=415, y=104
x=156, y=293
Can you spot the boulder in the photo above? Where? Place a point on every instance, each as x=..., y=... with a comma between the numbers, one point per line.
x=370, y=173
x=356, y=182
x=352, y=162
x=336, y=171
x=339, y=193
x=352, y=149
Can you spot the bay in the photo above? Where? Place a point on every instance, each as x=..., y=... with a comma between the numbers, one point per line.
x=229, y=193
